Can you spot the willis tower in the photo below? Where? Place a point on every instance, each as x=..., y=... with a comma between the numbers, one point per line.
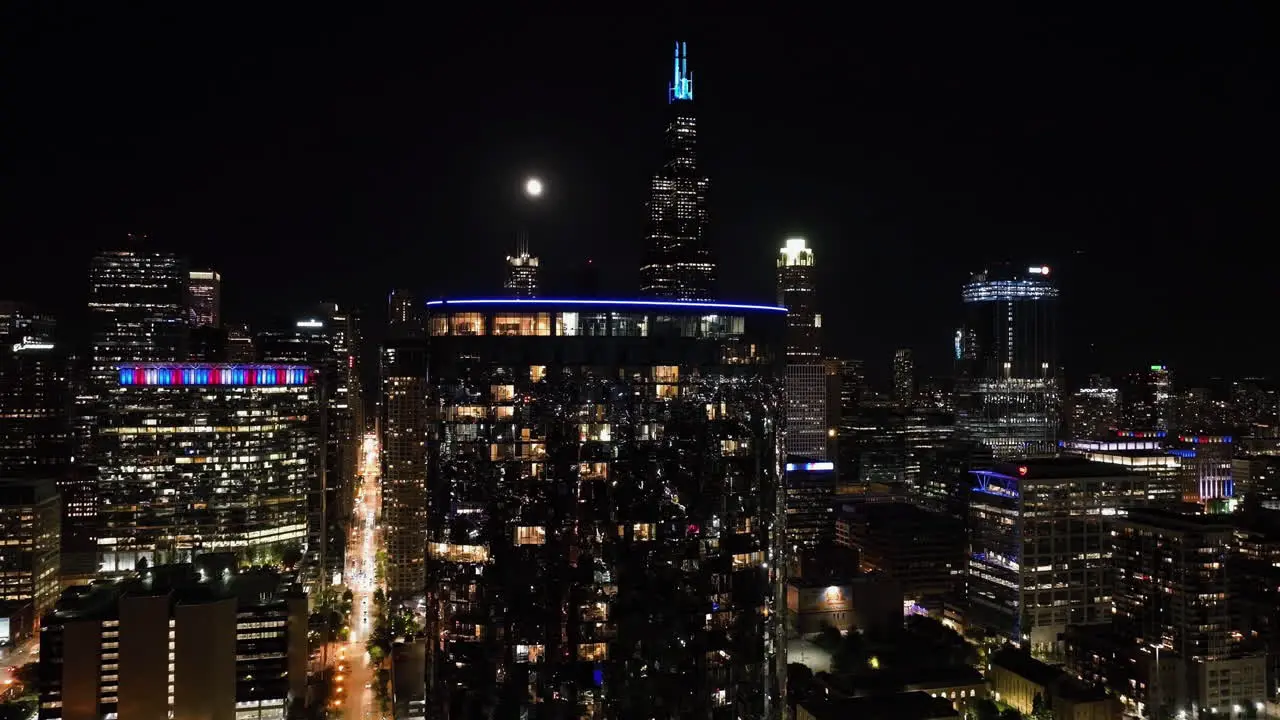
x=678, y=264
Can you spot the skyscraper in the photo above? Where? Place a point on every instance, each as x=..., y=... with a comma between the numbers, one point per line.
x=329, y=341
x=904, y=377
x=404, y=463
x=204, y=298
x=35, y=403
x=1007, y=390
x=406, y=316
x=1146, y=400
x=604, y=514
x=679, y=264
x=137, y=311
x=806, y=376
x=207, y=457
x=522, y=273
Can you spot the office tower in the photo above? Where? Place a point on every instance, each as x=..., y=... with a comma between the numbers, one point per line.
x=204, y=298
x=853, y=387
x=604, y=497
x=404, y=464
x=797, y=293
x=406, y=315
x=328, y=340
x=35, y=402
x=177, y=641
x=1173, y=591
x=1007, y=391
x=36, y=428
x=806, y=435
x=207, y=457
x=522, y=272
x=810, y=507
x=1093, y=411
x=831, y=369
x=1205, y=469
x=31, y=525
x=137, y=311
x=1040, y=524
x=679, y=264
x=241, y=347
x=904, y=377
x=1146, y=399
x=1136, y=452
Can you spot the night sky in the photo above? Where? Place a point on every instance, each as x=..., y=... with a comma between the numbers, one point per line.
x=308, y=155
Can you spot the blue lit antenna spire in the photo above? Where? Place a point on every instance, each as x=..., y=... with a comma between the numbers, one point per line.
x=681, y=87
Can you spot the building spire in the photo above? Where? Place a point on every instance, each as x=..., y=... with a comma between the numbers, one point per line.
x=681, y=87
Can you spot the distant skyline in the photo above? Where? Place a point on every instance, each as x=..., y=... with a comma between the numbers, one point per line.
x=318, y=156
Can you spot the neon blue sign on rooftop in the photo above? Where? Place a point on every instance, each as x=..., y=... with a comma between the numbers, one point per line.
x=535, y=302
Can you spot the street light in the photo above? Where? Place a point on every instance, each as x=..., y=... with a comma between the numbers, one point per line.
x=533, y=188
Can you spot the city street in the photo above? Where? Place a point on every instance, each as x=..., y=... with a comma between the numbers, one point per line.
x=357, y=695
x=27, y=652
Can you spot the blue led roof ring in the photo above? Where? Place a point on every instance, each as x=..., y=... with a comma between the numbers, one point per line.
x=604, y=303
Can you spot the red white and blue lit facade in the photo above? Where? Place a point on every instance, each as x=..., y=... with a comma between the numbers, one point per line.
x=216, y=374
x=207, y=457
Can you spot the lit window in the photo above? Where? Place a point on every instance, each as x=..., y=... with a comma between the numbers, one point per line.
x=468, y=323
x=531, y=535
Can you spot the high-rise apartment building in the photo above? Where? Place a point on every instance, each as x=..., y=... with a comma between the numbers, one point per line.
x=679, y=264
x=176, y=641
x=1040, y=548
x=1007, y=389
x=604, y=508
x=204, y=298
x=404, y=464
x=1173, y=591
x=207, y=458
x=904, y=377
x=31, y=526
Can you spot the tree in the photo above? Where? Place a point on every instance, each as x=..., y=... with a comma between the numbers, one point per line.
x=985, y=709
x=1010, y=714
x=1040, y=709
x=291, y=556
x=851, y=655
x=828, y=638
x=799, y=679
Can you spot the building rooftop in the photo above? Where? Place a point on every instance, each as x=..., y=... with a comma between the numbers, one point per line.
x=211, y=577
x=1170, y=520
x=1065, y=466
x=26, y=492
x=1019, y=662
x=569, y=303
x=898, y=706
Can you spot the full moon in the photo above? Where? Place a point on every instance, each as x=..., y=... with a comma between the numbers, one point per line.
x=533, y=187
